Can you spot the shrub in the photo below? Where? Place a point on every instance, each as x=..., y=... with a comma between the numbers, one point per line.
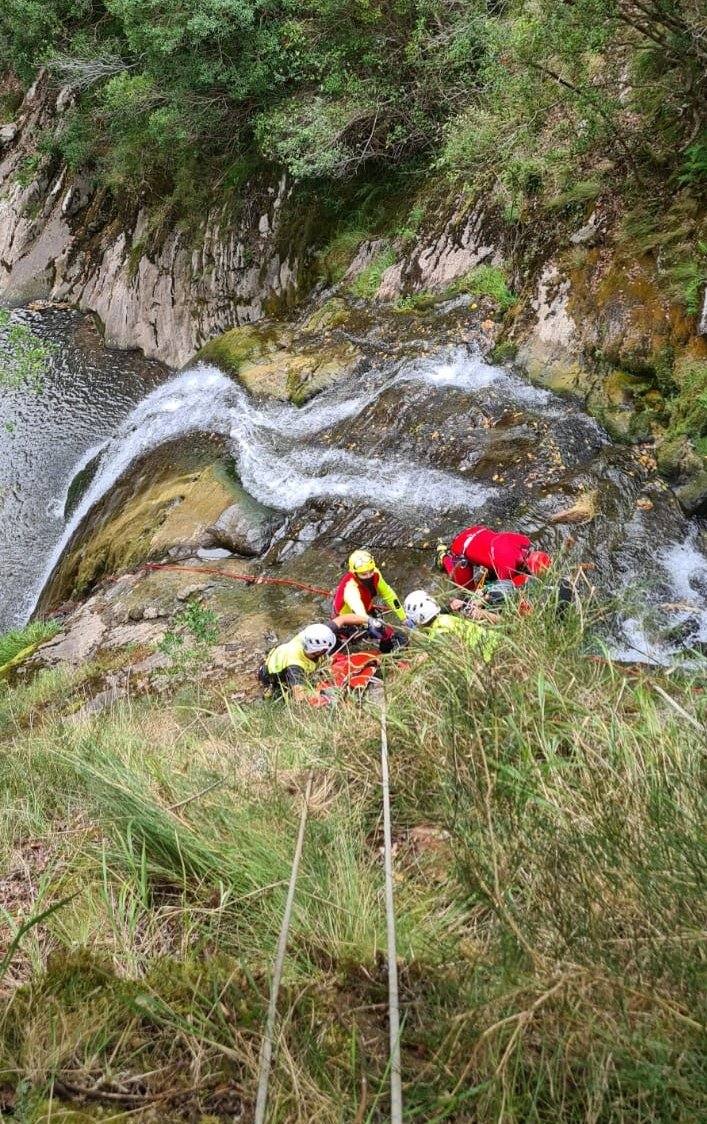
x=487, y=281
x=367, y=283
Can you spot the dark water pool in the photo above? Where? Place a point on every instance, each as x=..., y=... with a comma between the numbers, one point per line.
x=88, y=390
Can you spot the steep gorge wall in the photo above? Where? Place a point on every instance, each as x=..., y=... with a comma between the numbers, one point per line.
x=586, y=306
x=164, y=292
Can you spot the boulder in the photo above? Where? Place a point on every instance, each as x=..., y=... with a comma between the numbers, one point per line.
x=693, y=494
x=7, y=134
x=246, y=527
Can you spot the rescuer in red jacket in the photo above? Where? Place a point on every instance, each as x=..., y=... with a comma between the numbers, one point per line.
x=502, y=556
x=354, y=602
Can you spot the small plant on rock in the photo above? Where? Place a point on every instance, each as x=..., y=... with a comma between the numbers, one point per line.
x=189, y=640
x=23, y=355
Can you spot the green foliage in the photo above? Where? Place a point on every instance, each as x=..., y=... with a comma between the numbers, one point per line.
x=366, y=284
x=23, y=355
x=24, y=640
x=486, y=281
x=189, y=640
x=28, y=169
x=336, y=257
x=694, y=173
x=689, y=408
x=528, y=98
x=505, y=351
x=416, y=302
x=689, y=279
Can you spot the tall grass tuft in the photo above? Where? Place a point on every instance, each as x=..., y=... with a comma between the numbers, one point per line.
x=549, y=862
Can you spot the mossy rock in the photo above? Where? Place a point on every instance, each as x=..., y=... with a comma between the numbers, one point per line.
x=162, y=506
x=332, y=314
x=621, y=388
x=238, y=346
x=693, y=494
x=267, y=360
x=562, y=377
x=677, y=458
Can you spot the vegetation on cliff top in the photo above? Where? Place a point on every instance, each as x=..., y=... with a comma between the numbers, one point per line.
x=549, y=889
x=534, y=97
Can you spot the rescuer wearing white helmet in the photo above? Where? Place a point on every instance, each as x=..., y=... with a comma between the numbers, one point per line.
x=287, y=666
x=426, y=614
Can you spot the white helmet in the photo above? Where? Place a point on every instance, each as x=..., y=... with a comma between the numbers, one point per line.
x=318, y=639
x=420, y=607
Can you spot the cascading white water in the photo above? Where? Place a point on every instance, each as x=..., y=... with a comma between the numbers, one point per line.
x=274, y=447
x=287, y=455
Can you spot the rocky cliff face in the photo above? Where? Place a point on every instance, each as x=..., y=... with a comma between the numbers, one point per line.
x=61, y=238
x=592, y=316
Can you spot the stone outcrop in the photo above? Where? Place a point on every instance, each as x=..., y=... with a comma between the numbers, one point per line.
x=246, y=527
x=444, y=254
x=165, y=292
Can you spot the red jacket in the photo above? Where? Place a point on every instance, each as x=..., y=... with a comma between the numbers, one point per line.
x=502, y=553
x=366, y=591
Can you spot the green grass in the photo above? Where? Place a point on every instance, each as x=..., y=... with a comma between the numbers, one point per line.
x=365, y=285
x=549, y=865
x=336, y=257
x=485, y=281
x=24, y=640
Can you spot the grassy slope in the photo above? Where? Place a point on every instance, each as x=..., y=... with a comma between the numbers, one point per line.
x=550, y=912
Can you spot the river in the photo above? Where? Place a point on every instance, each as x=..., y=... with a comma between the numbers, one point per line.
x=410, y=449
x=87, y=391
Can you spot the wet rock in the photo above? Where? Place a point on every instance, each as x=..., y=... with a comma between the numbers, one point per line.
x=550, y=353
x=213, y=554
x=693, y=494
x=246, y=527
x=271, y=359
x=155, y=508
x=677, y=459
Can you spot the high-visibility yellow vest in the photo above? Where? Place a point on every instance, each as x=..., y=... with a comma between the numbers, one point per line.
x=474, y=634
x=291, y=654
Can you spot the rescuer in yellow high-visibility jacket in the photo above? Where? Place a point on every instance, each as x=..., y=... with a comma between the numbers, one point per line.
x=287, y=667
x=424, y=613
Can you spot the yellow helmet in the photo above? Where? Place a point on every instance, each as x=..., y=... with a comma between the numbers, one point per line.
x=362, y=562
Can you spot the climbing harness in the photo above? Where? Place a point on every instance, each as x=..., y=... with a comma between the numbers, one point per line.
x=268, y=1041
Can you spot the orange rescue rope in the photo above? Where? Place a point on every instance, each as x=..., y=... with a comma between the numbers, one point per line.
x=249, y=579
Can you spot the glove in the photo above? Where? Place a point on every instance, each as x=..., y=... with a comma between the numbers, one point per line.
x=375, y=628
x=409, y=622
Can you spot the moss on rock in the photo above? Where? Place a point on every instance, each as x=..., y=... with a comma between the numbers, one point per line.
x=278, y=362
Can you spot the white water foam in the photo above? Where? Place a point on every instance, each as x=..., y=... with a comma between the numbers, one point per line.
x=275, y=464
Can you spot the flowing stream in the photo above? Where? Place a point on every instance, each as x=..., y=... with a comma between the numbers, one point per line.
x=441, y=439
